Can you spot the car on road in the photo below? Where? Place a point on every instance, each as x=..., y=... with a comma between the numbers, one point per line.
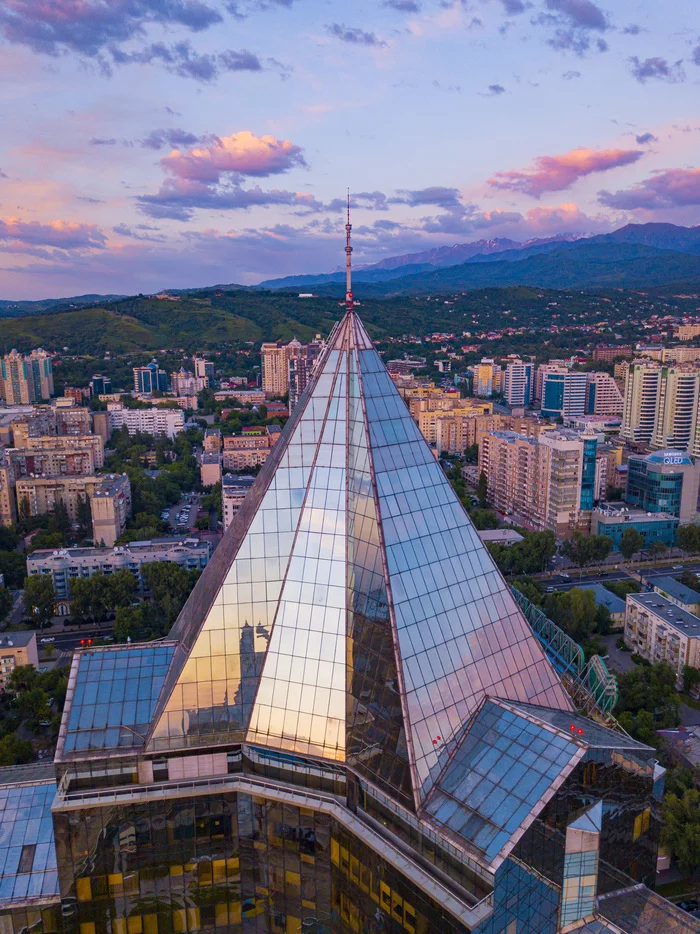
x=677, y=567
x=549, y=589
x=44, y=723
x=566, y=577
x=47, y=639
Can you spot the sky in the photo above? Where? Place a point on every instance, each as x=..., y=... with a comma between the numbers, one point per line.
x=150, y=144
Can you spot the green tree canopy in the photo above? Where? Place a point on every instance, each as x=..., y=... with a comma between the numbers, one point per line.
x=39, y=596
x=583, y=550
x=631, y=542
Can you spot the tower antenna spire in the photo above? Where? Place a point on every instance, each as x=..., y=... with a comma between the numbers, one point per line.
x=348, y=261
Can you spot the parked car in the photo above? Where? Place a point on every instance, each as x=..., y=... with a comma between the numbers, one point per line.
x=47, y=639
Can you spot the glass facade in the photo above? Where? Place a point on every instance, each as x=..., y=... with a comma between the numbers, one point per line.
x=653, y=490
x=590, y=446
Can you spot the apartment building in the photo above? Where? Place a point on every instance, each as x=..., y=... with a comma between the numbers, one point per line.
x=642, y=388
x=518, y=382
x=603, y=396
x=429, y=418
x=53, y=455
x=234, y=489
x=155, y=421
x=27, y=378
x=249, y=449
x=544, y=482
x=203, y=368
x=66, y=564
x=288, y=367
x=109, y=495
x=661, y=631
x=16, y=649
x=686, y=332
x=488, y=378
x=662, y=406
x=8, y=503
x=210, y=469
x=604, y=354
x=212, y=441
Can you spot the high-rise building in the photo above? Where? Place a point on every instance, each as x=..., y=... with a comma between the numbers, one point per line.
x=518, y=383
x=234, y=489
x=664, y=481
x=101, y=385
x=602, y=395
x=155, y=421
x=564, y=394
x=543, y=482
x=351, y=727
x=28, y=378
x=150, y=378
x=553, y=366
x=662, y=406
x=185, y=383
x=487, y=378
x=8, y=507
x=300, y=368
x=275, y=373
x=203, y=369
x=642, y=389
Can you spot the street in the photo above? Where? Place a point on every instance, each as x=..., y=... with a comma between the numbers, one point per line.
x=649, y=572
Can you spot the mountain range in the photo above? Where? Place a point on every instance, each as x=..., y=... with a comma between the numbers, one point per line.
x=635, y=256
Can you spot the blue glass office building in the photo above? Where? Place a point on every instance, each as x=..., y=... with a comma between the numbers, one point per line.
x=352, y=727
x=664, y=481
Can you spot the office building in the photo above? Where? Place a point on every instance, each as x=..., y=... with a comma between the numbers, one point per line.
x=67, y=564
x=149, y=379
x=155, y=421
x=602, y=395
x=185, y=383
x=664, y=481
x=109, y=495
x=343, y=731
x=653, y=527
x=27, y=378
x=543, y=482
x=234, y=489
x=661, y=631
x=604, y=354
x=518, y=383
x=16, y=649
x=553, y=366
x=203, y=369
x=564, y=394
x=100, y=385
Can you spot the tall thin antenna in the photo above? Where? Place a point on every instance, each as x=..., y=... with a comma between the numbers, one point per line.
x=348, y=261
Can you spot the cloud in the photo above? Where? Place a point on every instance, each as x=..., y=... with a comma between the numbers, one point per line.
x=87, y=27
x=183, y=60
x=574, y=24
x=2, y=174
x=696, y=54
x=101, y=141
x=657, y=69
x=241, y=153
x=668, y=188
x=158, y=139
x=179, y=198
x=555, y=173
x=632, y=29
x=645, y=138
x=513, y=7
x=441, y=197
x=570, y=75
x=354, y=35
x=494, y=90
x=136, y=233
x=582, y=14
x=66, y=235
x=403, y=6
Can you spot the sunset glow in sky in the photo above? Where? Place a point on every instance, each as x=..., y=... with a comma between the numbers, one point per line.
x=171, y=143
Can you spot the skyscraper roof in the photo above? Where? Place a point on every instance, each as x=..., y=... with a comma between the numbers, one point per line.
x=351, y=611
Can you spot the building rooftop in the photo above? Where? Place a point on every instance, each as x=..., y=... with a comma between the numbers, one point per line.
x=669, y=457
x=157, y=544
x=235, y=481
x=16, y=639
x=638, y=910
x=605, y=597
x=686, y=742
x=629, y=514
x=501, y=536
x=27, y=848
x=671, y=587
x=686, y=623
x=211, y=458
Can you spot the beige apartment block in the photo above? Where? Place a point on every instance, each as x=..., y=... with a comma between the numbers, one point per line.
x=660, y=631
x=16, y=649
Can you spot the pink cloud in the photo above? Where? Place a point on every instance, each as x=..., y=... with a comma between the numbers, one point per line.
x=66, y=235
x=242, y=153
x=555, y=173
x=670, y=188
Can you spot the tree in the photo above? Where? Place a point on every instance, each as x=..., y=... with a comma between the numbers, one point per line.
x=631, y=542
x=657, y=548
x=202, y=523
x=482, y=489
x=84, y=516
x=691, y=678
x=688, y=538
x=484, y=519
x=13, y=565
x=170, y=586
x=24, y=508
x=575, y=611
x=15, y=751
x=681, y=829
x=582, y=550
x=39, y=596
x=6, y=604
x=650, y=688
x=33, y=704
x=471, y=455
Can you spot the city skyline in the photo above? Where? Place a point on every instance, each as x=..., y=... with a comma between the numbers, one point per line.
x=171, y=144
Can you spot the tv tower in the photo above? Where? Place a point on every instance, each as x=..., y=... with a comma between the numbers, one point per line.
x=348, y=261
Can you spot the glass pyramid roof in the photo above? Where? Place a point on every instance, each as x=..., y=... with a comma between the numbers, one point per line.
x=351, y=611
